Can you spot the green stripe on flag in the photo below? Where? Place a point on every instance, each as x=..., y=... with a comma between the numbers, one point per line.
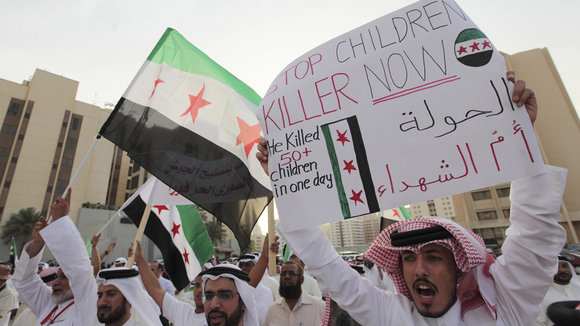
x=405, y=213
x=176, y=51
x=336, y=171
x=88, y=245
x=195, y=233
x=287, y=251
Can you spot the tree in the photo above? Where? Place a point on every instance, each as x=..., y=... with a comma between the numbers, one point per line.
x=20, y=226
x=216, y=232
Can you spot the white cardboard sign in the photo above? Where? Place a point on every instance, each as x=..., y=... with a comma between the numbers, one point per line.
x=412, y=106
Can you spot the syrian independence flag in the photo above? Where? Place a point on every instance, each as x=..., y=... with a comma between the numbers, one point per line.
x=13, y=253
x=176, y=228
x=192, y=124
x=350, y=167
x=473, y=48
x=394, y=215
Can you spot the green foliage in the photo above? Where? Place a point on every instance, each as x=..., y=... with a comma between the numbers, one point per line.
x=20, y=226
x=216, y=232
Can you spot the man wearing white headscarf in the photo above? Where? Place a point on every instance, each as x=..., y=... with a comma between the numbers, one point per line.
x=442, y=271
x=267, y=289
x=228, y=299
x=72, y=300
x=566, y=287
x=122, y=300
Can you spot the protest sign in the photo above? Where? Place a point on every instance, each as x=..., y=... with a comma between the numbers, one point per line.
x=412, y=106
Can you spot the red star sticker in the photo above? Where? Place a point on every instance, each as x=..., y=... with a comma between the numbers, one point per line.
x=160, y=208
x=196, y=103
x=462, y=49
x=356, y=197
x=474, y=46
x=249, y=135
x=395, y=213
x=186, y=256
x=175, y=229
x=348, y=166
x=157, y=82
x=486, y=44
x=342, y=137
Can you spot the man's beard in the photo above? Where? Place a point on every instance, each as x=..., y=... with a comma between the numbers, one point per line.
x=562, y=278
x=115, y=314
x=290, y=292
x=64, y=296
x=231, y=320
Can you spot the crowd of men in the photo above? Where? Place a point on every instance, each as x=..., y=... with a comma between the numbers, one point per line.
x=424, y=271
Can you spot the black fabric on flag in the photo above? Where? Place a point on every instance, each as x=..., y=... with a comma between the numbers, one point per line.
x=194, y=166
x=156, y=232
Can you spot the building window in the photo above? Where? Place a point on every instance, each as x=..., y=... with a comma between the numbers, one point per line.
x=481, y=195
x=135, y=182
x=506, y=212
x=503, y=192
x=487, y=215
x=75, y=124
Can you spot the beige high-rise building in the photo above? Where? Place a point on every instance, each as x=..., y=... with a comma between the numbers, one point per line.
x=44, y=136
x=486, y=211
x=442, y=207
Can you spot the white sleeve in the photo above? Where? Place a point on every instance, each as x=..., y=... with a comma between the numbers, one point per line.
x=29, y=285
x=64, y=241
x=526, y=269
x=6, y=299
x=367, y=304
x=177, y=312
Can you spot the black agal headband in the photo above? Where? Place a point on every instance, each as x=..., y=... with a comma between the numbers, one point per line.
x=409, y=238
x=219, y=270
x=117, y=273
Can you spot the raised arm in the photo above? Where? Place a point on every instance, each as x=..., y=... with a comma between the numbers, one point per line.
x=258, y=271
x=149, y=279
x=95, y=258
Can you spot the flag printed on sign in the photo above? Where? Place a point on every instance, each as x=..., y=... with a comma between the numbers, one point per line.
x=473, y=48
x=176, y=228
x=350, y=167
x=192, y=124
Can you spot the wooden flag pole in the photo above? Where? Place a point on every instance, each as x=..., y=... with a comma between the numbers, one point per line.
x=271, y=237
x=139, y=235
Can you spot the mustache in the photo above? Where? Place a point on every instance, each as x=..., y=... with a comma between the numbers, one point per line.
x=216, y=311
x=424, y=280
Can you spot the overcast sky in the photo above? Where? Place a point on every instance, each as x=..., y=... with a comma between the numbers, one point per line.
x=102, y=44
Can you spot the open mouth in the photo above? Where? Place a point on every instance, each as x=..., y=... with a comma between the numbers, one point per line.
x=216, y=317
x=425, y=291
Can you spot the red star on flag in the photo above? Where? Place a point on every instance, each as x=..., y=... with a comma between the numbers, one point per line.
x=486, y=44
x=160, y=208
x=175, y=229
x=356, y=197
x=342, y=137
x=186, y=256
x=462, y=49
x=249, y=135
x=157, y=82
x=474, y=46
x=395, y=213
x=348, y=166
x=196, y=103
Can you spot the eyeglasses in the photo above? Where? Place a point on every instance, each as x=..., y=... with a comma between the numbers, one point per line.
x=223, y=296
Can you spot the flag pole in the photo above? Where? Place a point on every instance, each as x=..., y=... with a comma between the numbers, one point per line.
x=271, y=236
x=75, y=176
x=139, y=235
x=83, y=162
